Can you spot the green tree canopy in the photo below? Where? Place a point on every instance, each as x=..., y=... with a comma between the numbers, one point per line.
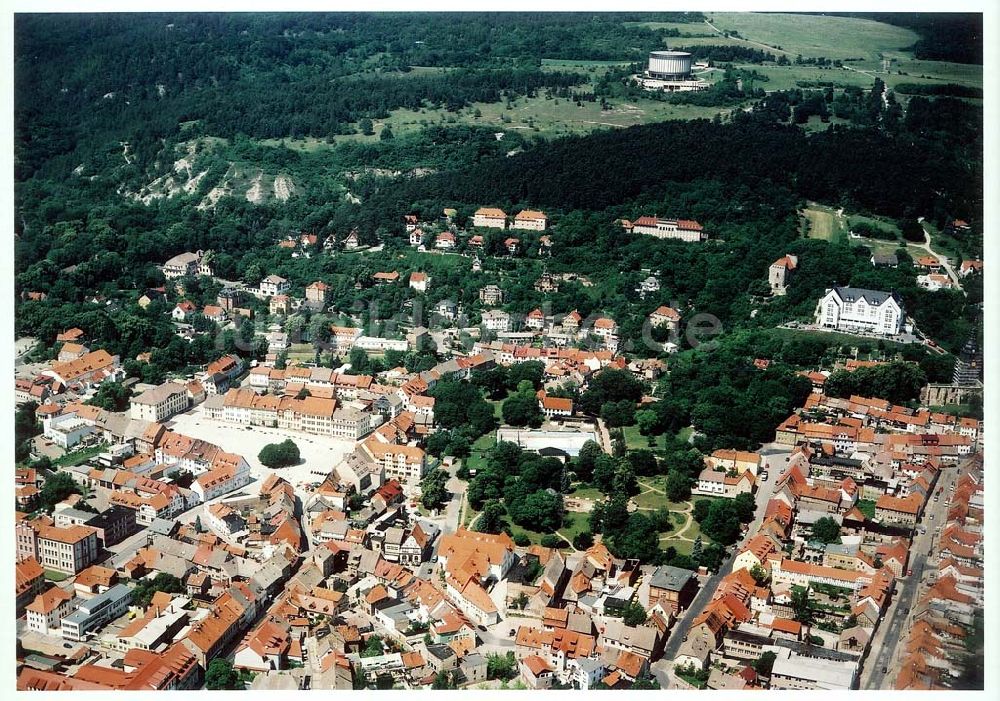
x=221, y=676
x=826, y=530
x=282, y=454
x=56, y=488
x=111, y=396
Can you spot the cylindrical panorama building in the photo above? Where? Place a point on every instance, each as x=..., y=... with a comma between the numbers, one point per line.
x=669, y=65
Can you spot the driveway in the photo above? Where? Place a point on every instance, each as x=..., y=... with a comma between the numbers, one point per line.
x=941, y=258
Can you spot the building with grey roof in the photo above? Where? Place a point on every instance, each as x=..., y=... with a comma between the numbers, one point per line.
x=796, y=671
x=673, y=588
x=96, y=612
x=854, y=309
x=160, y=403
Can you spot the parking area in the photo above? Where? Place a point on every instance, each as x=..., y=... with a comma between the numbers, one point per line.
x=319, y=453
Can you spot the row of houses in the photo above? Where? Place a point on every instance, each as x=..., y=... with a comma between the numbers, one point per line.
x=934, y=649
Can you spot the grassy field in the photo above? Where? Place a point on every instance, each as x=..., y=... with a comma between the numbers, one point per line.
x=54, y=576
x=908, y=70
x=477, y=459
x=823, y=222
x=685, y=28
x=79, y=457
x=791, y=77
x=548, y=117
x=655, y=500
x=877, y=246
x=834, y=338
x=574, y=524
x=816, y=36
x=636, y=441
x=302, y=352
x=582, y=490
x=879, y=222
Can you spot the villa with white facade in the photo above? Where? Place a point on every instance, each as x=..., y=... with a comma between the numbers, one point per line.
x=855, y=309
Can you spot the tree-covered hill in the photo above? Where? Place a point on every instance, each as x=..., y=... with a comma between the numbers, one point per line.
x=907, y=172
x=85, y=79
x=127, y=126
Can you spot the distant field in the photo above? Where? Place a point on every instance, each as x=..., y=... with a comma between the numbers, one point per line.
x=571, y=63
x=789, y=77
x=931, y=72
x=815, y=36
x=550, y=118
x=711, y=40
x=878, y=222
x=823, y=222
x=685, y=28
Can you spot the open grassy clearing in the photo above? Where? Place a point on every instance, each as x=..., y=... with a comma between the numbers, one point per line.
x=815, y=36
x=574, y=524
x=685, y=28
x=836, y=338
x=684, y=544
x=305, y=144
x=877, y=246
x=791, y=77
x=563, y=63
x=582, y=490
x=649, y=499
x=879, y=222
x=823, y=222
x=708, y=40
x=930, y=72
x=636, y=441
x=481, y=446
x=547, y=117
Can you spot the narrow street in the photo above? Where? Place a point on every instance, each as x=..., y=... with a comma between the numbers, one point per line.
x=775, y=463
x=885, y=646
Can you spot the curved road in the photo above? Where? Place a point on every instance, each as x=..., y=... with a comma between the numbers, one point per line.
x=943, y=260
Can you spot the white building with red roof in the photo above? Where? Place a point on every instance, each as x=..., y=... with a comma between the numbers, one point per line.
x=677, y=229
x=490, y=217
x=418, y=281
x=530, y=219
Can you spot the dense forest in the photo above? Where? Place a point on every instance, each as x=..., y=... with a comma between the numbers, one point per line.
x=96, y=78
x=944, y=36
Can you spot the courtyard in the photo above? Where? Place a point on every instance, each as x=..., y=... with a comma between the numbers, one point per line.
x=319, y=453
